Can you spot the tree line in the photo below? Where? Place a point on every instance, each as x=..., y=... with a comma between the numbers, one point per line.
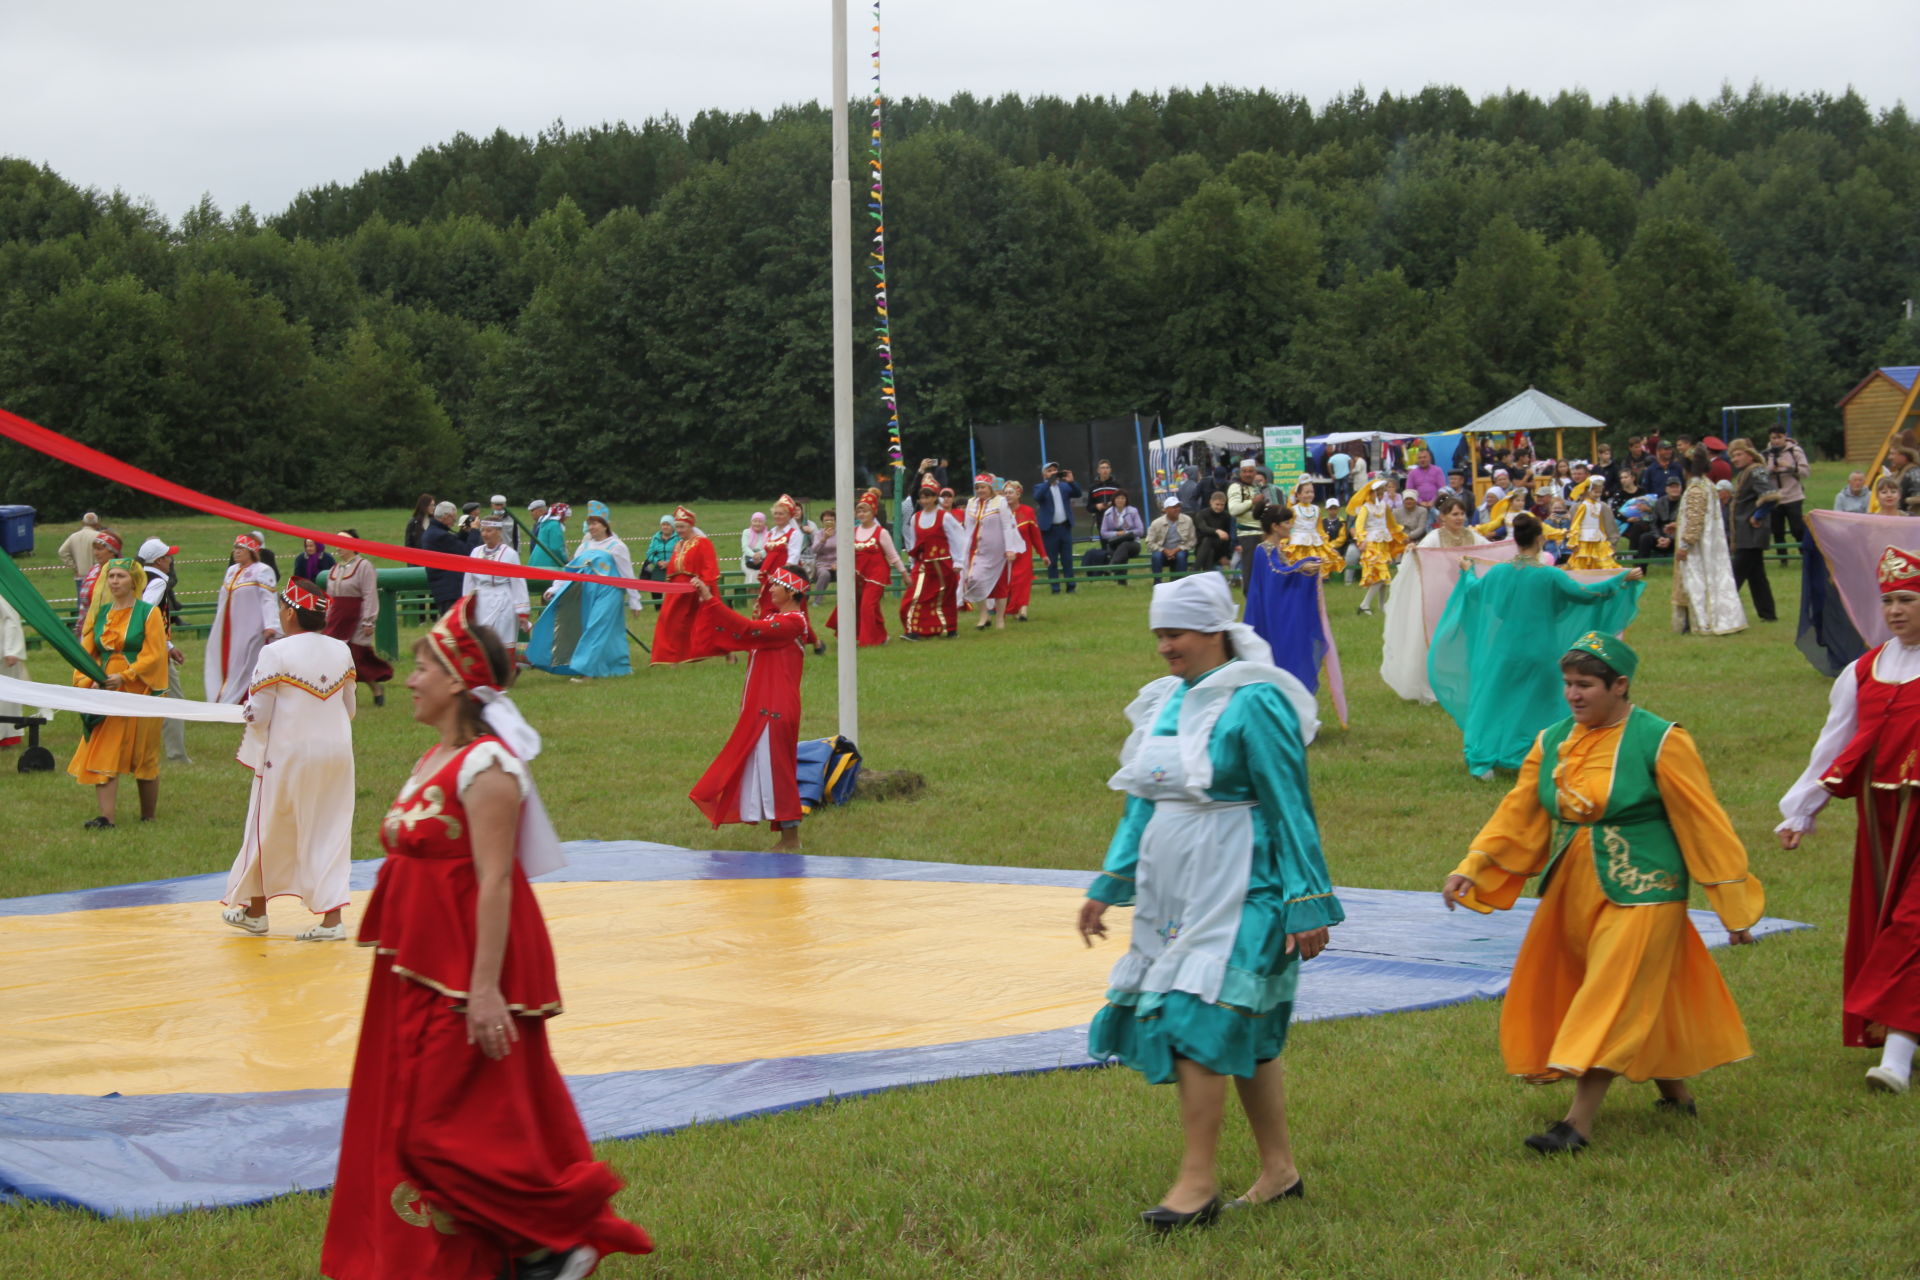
x=643, y=313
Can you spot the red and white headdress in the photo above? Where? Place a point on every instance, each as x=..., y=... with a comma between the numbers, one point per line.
x=299, y=595
x=684, y=515
x=246, y=540
x=457, y=650
x=785, y=500
x=112, y=540
x=790, y=580
x=1899, y=571
x=930, y=485
x=985, y=477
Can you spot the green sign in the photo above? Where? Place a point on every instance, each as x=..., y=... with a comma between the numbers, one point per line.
x=1286, y=449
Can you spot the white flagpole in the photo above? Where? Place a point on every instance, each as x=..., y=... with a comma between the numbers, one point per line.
x=847, y=583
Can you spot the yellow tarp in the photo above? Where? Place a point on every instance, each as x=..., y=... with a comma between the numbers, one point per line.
x=655, y=974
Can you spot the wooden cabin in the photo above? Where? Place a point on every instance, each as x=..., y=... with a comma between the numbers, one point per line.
x=1868, y=411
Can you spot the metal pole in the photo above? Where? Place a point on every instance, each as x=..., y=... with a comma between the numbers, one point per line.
x=846, y=583
x=1146, y=476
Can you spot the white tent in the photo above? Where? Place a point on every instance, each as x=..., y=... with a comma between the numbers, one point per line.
x=1352, y=437
x=1218, y=437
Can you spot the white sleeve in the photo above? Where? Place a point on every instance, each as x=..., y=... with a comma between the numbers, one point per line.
x=517, y=587
x=467, y=585
x=484, y=757
x=1806, y=797
x=155, y=590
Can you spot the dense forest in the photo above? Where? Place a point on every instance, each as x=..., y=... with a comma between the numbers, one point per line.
x=643, y=312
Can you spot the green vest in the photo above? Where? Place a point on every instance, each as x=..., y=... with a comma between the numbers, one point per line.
x=1635, y=854
x=131, y=643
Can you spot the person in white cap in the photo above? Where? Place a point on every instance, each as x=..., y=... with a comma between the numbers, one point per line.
x=499, y=601
x=1219, y=853
x=156, y=557
x=1171, y=538
x=511, y=536
x=549, y=534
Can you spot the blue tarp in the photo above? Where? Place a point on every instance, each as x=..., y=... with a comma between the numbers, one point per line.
x=138, y=1156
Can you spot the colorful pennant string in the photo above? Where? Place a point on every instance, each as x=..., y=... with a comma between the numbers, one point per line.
x=877, y=210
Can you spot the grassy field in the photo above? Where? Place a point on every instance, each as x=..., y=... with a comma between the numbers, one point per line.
x=1407, y=1132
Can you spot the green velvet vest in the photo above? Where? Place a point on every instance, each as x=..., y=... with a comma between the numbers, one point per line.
x=1635, y=854
x=131, y=643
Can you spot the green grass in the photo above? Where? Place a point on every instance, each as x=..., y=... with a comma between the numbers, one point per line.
x=1407, y=1132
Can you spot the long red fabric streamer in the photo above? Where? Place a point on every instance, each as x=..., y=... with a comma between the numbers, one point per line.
x=17, y=429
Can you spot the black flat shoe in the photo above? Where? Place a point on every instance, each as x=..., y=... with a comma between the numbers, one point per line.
x=1673, y=1106
x=1163, y=1219
x=1298, y=1191
x=1560, y=1138
x=97, y=824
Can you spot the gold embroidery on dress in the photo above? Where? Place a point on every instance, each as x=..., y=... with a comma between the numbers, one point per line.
x=416, y=1212
x=1624, y=873
x=432, y=805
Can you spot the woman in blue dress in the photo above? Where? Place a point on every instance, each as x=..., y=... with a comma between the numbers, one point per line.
x=1219, y=854
x=1287, y=607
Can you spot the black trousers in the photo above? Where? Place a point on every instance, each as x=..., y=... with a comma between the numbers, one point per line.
x=1750, y=570
x=1788, y=515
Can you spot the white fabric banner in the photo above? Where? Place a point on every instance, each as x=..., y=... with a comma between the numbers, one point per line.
x=106, y=702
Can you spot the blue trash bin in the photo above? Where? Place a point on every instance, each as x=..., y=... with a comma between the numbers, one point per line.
x=16, y=530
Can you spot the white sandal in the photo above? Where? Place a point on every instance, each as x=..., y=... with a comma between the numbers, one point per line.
x=237, y=917
x=323, y=933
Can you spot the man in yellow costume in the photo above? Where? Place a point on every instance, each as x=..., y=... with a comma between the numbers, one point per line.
x=1614, y=810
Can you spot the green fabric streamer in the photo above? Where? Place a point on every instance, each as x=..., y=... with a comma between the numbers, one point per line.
x=39, y=615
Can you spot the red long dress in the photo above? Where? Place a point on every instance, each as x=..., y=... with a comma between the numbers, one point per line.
x=678, y=636
x=926, y=609
x=1879, y=770
x=1020, y=563
x=450, y=1162
x=769, y=709
x=780, y=551
x=872, y=551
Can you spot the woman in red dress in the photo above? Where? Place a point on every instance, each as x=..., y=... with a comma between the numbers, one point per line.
x=926, y=607
x=874, y=560
x=1020, y=563
x=753, y=779
x=677, y=636
x=1869, y=752
x=785, y=541
x=463, y=1157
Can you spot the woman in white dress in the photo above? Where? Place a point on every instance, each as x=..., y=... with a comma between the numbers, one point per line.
x=1705, y=599
x=1403, y=650
x=13, y=663
x=499, y=601
x=245, y=619
x=753, y=547
x=991, y=537
x=299, y=744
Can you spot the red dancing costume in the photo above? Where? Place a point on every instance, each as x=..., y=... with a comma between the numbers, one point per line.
x=873, y=553
x=782, y=549
x=678, y=635
x=1020, y=563
x=1869, y=753
x=451, y=1163
x=927, y=607
x=752, y=779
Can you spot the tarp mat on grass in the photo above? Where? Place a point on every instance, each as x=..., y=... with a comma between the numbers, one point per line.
x=139, y=1154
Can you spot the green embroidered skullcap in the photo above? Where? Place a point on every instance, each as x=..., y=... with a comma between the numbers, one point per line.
x=127, y=563
x=1611, y=650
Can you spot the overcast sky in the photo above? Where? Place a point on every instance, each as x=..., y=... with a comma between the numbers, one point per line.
x=253, y=102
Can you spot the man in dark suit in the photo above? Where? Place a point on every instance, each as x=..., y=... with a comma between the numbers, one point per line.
x=1053, y=513
x=1754, y=493
x=445, y=584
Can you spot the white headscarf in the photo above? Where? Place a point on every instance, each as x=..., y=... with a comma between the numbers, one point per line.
x=1202, y=602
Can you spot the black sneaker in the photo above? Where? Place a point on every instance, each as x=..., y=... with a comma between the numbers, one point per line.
x=1560, y=1138
x=97, y=824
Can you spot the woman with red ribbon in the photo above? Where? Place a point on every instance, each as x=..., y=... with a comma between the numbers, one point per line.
x=463, y=1157
x=1869, y=752
x=678, y=636
x=753, y=779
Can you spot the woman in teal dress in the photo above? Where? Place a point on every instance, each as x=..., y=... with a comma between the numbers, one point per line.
x=1219, y=854
x=1493, y=661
